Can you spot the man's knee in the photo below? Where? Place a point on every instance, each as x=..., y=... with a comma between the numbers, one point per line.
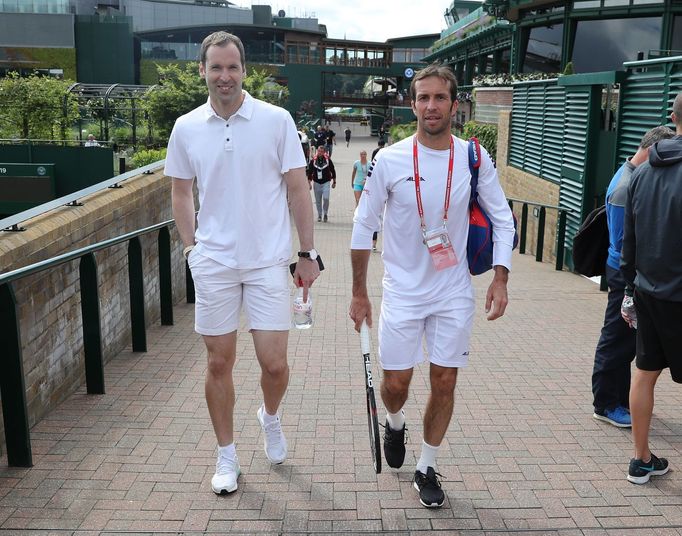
x=219, y=365
x=395, y=383
x=275, y=368
x=443, y=381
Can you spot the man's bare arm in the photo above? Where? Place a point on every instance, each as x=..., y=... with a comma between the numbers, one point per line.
x=302, y=211
x=360, y=306
x=182, y=198
x=496, y=298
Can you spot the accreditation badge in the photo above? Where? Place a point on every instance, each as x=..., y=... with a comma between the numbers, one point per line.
x=440, y=248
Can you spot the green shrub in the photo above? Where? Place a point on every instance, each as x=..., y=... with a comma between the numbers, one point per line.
x=486, y=134
x=148, y=156
x=400, y=132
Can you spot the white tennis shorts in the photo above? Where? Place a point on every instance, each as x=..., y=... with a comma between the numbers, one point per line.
x=446, y=326
x=221, y=293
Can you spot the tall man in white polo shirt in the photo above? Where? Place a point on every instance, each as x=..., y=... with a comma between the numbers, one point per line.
x=241, y=248
x=422, y=182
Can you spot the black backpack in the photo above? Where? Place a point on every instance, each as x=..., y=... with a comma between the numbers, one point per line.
x=591, y=244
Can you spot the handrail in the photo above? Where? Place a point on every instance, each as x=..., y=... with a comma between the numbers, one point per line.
x=16, y=219
x=8, y=277
x=540, y=204
x=540, y=244
x=12, y=378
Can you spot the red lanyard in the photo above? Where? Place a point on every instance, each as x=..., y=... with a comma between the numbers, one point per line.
x=417, y=186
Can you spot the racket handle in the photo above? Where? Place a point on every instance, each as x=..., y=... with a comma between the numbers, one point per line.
x=364, y=337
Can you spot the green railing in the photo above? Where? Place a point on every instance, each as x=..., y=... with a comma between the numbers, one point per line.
x=540, y=239
x=12, y=384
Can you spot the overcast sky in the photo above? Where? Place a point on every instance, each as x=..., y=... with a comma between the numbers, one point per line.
x=367, y=20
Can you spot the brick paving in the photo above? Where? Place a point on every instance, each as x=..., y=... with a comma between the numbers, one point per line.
x=522, y=455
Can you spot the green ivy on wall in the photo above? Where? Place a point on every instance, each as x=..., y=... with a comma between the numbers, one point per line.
x=44, y=58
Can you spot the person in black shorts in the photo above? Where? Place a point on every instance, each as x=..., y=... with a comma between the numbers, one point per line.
x=347, y=132
x=651, y=264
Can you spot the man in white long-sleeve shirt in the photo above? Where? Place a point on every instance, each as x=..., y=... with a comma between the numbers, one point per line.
x=422, y=183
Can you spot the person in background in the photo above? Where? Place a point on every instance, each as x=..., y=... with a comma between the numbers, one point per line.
x=322, y=177
x=91, y=141
x=651, y=264
x=616, y=348
x=359, y=175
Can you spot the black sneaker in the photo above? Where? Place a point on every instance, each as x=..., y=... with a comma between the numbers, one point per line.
x=394, y=446
x=639, y=472
x=325, y=219
x=428, y=486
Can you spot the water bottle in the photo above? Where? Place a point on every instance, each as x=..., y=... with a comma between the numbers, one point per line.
x=303, y=310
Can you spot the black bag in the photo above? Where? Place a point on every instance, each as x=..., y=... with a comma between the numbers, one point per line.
x=591, y=244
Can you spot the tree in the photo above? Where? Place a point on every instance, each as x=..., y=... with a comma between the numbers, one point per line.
x=181, y=89
x=36, y=107
x=261, y=85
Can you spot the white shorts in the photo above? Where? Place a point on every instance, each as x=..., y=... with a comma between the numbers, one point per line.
x=221, y=291
x=446, y=325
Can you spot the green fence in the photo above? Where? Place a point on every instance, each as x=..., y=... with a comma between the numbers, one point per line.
x=74, y=168
x=646, y=101
x=537, y=128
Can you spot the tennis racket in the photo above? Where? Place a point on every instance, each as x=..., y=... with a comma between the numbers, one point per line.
x=372, y=418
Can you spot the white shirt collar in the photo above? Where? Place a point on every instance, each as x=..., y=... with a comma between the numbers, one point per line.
x=245, y=110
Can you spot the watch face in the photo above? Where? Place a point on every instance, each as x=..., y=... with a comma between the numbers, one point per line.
x=313, y=254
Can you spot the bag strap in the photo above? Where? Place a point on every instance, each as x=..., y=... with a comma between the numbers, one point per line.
x=474, y=164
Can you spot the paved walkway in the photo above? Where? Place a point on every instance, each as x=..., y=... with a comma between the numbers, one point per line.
x=522, y=455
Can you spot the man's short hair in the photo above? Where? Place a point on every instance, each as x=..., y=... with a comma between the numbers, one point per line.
x=381, y=142
x=441, y=71
x=221, y=39
x=677, y=108
x=656, y=134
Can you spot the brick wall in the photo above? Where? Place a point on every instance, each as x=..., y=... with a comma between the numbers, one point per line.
x=490, y=101
x=521, y=185
x=49, y=302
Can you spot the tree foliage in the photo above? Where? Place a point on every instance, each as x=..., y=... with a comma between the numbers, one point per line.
x=35, y=107
x=181, y=89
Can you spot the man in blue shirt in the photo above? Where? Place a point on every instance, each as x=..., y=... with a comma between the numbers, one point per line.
x=616, y=347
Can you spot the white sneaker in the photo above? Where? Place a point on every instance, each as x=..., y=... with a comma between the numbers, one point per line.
x=275, y=443
x=227, y=472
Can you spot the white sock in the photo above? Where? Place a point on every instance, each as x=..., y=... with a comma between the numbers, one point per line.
x=228, y=451
x=267, y=418
x=427, y=458
x=396, y=420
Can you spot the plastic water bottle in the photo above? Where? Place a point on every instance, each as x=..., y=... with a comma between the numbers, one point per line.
x=303, y=310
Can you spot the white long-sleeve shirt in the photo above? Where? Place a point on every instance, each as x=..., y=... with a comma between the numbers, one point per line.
x=409, y=275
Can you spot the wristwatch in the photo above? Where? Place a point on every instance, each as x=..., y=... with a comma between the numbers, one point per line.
x=312, y=254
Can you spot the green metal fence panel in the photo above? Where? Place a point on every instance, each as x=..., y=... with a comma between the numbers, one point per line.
x=553, y=133
x=537, y=125
x=572, y=189
x=647, y=94
x=519, y=116
x=75, y=168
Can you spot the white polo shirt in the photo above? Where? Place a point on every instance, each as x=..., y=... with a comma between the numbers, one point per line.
x=409, y=275
x=243, y=219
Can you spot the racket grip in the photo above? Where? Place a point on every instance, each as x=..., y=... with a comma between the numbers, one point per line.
x=364, y=337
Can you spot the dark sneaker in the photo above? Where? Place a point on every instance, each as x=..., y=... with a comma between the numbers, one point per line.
x=428, y=486
x=319, y=218
x=394, y=446
x=619, y=417
x=325, y=218
x=639, y=472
